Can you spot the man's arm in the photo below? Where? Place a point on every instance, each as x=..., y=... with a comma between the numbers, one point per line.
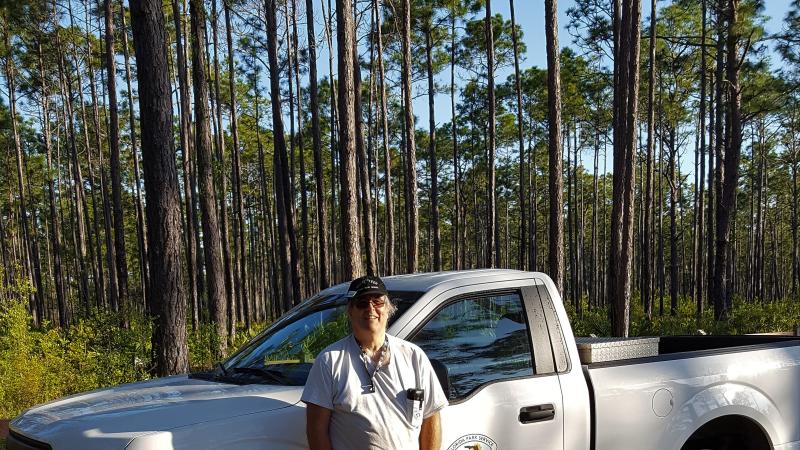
x=318, y=420
x=430, y=435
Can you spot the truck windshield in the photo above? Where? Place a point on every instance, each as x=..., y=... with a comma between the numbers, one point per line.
x=285, y=351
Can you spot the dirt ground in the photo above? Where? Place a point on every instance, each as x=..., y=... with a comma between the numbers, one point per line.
x=3, y=429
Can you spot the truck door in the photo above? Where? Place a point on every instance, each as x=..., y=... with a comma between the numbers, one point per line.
x=497, y=371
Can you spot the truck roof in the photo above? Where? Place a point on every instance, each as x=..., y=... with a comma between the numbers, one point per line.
x=423, y=282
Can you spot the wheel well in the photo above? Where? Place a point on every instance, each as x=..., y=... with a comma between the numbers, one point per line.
x=729, y=433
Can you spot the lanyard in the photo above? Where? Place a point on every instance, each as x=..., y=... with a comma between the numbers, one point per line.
x=370, y=388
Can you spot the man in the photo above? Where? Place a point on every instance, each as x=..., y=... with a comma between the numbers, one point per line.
x=371, y=390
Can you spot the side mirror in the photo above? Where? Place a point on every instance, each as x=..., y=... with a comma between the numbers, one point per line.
x=443, y=374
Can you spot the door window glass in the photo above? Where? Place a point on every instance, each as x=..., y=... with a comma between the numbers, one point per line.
x=478, y=340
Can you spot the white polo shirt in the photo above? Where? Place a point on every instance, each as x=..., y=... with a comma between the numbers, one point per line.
x=372, y=420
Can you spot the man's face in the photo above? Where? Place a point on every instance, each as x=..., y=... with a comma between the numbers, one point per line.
x=369, y=313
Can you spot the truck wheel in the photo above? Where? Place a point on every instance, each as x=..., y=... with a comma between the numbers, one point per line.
x=729, y=433
x=716, y=443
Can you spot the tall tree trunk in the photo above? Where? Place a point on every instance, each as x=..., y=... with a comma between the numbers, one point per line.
x=112, y=289
x=161, y=184
x=322, y=213
x=304, y=254
x=387, y=157
x=673, y=231
x=523, y=226
x=243, y=299
x=626, y=64
x=335, y=276
x=556, y=184
x=569, y=289
x=229, y=264
x=289, y=186
x=700, y=210
x=345, y=32
x=493, y=254
x=212, y=241
x=719, y=145
x=31, y=251
x=193, y=257
x=793, y=150
x=140, y=225
x=412, y=243
x=362, y=168
x=280, y=163
x=458, y=242
x=595, y=275
x=721, y=289
x=116, y=169
x=647, y=255
x=55, y=237
x=437, y=245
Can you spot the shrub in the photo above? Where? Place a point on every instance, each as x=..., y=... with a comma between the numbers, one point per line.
x=744, y=318
x=38, y=365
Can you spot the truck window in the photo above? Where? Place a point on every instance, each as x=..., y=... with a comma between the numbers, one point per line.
x=284, y=352
x=478, y=340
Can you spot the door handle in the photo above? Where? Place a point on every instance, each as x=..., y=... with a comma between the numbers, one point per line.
x=538, y=413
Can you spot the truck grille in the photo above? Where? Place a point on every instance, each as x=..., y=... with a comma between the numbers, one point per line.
x=17, y=441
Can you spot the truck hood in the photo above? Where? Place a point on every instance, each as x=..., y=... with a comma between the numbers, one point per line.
x=152, y=406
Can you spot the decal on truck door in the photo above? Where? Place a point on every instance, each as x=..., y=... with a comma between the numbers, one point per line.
x=473, y=442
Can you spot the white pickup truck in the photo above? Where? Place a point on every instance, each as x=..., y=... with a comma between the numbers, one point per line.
x=503, y=349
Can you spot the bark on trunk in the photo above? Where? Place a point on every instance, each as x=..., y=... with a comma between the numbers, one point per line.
x=387, y=157
x=647, y=253
x=437, y=245
x=243, y=299
x=412, y=242
x=161, y=183
x=492, y=252
x=212, y=241
x=322, y=212
x=280, y=163
x=556, y=184
x=522, y=260
x=351, y=257
x=725, y=206
x=363, y=169
x=140, y=220
x=31, y=251
x=116, y=168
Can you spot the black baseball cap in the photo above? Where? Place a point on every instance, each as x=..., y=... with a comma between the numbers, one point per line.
x=366, y=285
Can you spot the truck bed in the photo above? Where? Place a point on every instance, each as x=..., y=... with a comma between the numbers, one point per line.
x=661, y=397
x=676, y=347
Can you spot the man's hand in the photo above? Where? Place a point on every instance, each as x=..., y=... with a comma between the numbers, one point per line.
x=430, y=435
x=318, y=420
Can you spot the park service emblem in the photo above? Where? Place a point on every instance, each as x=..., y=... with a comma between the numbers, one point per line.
x=473, y=442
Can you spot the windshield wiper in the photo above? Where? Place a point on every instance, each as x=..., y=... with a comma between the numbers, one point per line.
x=218, y=373
x=271, y=375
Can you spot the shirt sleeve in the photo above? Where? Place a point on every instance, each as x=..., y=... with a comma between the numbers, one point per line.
x=434, y=399
x=319, y=386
